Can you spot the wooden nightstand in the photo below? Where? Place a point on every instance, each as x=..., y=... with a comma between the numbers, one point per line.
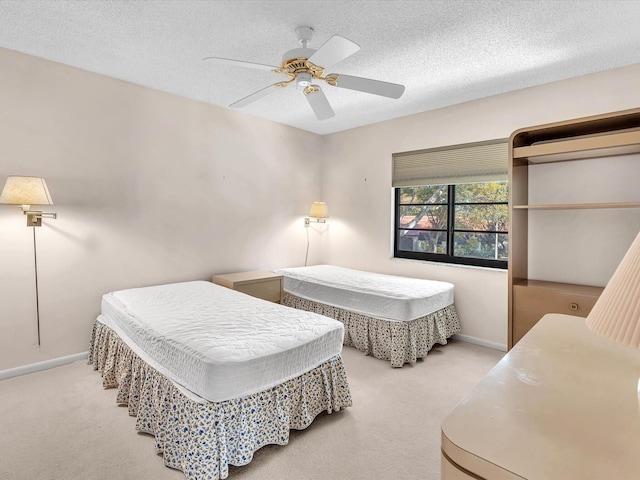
x=261, y=284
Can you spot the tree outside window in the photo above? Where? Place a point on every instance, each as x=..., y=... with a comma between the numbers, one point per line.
x=466, y=223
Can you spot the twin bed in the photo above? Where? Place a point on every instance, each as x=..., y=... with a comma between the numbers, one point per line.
x=389, y=317
x=215, y=374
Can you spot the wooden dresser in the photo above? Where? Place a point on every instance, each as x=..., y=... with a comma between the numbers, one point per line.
x=562, y=404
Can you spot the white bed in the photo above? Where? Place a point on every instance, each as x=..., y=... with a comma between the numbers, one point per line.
x=216, y=374
x=390, y=317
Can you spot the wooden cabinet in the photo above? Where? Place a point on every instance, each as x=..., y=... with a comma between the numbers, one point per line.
x=260, y=284
x=601, y=136
x=534, y=299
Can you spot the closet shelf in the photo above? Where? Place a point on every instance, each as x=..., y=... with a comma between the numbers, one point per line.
x=577, y=206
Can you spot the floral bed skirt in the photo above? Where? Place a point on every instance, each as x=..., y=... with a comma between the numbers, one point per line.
x=400, y=342
x=203, y=439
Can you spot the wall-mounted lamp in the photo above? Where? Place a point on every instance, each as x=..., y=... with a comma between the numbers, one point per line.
x=319, y=211
x=27, y=191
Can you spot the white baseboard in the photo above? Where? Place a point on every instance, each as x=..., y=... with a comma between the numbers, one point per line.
x=37, y=367
x=481, y=342
x=57, y=362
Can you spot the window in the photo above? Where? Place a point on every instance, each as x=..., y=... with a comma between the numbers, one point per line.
x=462, y=223
x=451, y=203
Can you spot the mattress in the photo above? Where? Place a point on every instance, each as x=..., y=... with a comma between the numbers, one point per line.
x=218, y=343
x=387, y=297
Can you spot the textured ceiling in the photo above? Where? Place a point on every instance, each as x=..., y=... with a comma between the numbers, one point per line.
x=444, y=52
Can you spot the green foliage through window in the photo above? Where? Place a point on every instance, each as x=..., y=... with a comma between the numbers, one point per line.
x=465, y=223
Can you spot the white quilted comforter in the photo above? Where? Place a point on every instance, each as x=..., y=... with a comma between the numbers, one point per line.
x=387, y=297
x=218, y=343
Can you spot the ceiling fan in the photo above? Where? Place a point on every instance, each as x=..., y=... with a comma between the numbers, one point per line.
x=304, y=65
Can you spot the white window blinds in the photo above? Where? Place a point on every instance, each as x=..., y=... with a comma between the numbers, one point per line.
x=466, y=163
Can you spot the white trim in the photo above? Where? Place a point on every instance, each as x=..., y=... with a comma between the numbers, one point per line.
x=37, y=367
x=479, y=341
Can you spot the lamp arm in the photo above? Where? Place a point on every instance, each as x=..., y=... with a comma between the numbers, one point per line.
x=34, y=217
x=307, y=220
x=37, y=213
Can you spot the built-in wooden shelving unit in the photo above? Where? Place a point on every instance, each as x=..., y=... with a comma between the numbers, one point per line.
x=606, y=135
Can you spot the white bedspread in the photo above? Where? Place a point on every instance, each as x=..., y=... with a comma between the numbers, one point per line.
x=387, y=297
x=219, y=343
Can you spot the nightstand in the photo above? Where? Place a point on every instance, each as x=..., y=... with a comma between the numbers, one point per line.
x=261, y=284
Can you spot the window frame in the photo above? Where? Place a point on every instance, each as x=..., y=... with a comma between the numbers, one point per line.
x=448, y=257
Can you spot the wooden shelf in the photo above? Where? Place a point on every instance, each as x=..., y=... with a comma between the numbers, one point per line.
x=580, y=148
x=578, y=206
x=559, y=287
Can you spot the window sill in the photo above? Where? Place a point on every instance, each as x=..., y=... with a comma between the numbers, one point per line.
x=450, y=265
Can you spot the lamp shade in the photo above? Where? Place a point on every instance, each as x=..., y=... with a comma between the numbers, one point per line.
x=616, y=314
x=319, y=210
x=25, y=191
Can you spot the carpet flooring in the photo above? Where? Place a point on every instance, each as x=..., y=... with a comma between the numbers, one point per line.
x=60, y=424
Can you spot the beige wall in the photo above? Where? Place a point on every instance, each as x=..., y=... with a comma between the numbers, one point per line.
x=357, y=183
x=152, y=188
x=149, y=188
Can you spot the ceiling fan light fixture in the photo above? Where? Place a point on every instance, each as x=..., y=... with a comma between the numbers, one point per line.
x=303, y=79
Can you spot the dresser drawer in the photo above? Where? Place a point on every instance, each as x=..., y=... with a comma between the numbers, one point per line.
x=534, y=299
x=448, y=471
x=553, y=301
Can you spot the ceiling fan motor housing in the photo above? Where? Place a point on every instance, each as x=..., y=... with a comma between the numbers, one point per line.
x=294, y=64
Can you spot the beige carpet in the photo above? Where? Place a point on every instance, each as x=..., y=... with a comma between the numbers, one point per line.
x=61, y=424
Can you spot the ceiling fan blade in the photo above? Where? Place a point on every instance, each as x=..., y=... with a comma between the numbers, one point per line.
x=240, y=63
x=319, y=103
x=334, y=50
x=243, y=102
x=367, y=85
x=376, y=87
